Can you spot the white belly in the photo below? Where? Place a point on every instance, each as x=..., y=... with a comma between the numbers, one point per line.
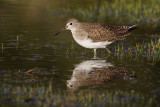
x=88, y=43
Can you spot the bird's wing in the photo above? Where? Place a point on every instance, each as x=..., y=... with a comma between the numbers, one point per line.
x=99, y=32
x=122, y=31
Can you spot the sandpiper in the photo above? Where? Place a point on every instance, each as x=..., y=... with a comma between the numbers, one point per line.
x=95, y=72
x=96, y=35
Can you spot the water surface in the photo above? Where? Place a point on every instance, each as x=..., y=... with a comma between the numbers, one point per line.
x=62, y=73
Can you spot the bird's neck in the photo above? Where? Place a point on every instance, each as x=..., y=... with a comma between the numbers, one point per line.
x=78, y=34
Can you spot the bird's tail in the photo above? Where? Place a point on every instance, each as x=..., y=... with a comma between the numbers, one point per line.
x=125, y=31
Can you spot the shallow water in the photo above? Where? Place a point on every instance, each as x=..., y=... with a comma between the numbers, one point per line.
x=59, y=64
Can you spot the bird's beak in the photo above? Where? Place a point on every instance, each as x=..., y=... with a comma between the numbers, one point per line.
x=60, y=31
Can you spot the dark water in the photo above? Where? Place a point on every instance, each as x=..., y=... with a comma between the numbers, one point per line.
x=27, y=31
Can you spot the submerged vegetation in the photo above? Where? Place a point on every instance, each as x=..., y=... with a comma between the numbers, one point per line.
x=132, y=11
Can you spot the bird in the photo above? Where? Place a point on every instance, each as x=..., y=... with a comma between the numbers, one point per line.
x=95, y=35
x=95, y=72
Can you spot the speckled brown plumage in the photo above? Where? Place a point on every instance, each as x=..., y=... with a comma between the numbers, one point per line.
x=100, y=32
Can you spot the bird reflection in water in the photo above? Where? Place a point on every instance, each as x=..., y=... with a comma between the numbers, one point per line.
x=94, y=72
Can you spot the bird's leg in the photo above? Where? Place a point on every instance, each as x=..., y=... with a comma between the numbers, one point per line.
x=108, y=51
x=95, y=53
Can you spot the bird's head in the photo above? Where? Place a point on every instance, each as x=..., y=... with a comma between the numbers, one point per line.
x=70, y=25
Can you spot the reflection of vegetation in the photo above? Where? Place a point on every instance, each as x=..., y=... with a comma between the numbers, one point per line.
x=131, y=10
x=47, y=96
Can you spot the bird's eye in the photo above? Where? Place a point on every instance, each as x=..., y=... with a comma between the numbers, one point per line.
x=71, y=86
x=70, y=23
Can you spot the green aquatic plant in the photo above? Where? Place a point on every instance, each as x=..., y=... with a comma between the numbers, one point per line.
x=149, y=49
x=17, y=38
x=17, y=41
x=2, y=45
